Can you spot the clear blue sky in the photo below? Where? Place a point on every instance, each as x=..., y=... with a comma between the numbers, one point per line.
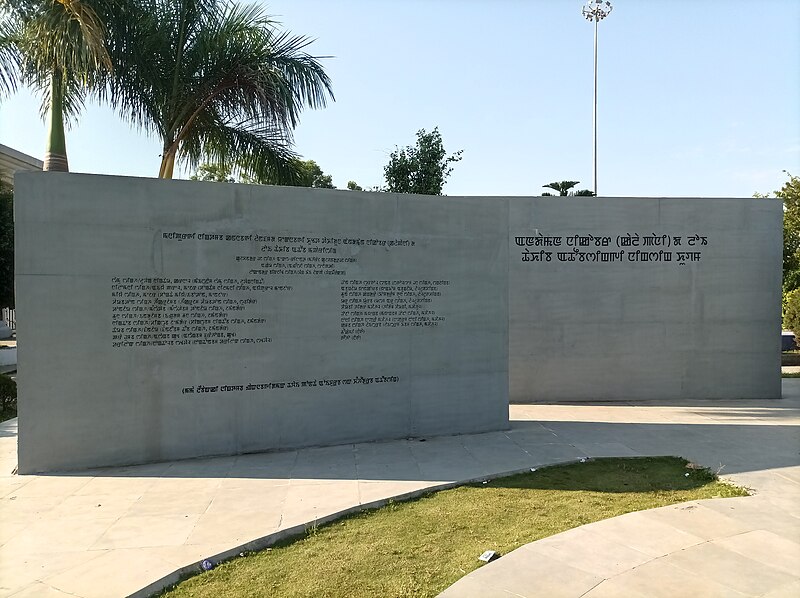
x=696, y=97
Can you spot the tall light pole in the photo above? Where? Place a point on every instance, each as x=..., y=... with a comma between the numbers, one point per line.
x=595, y=10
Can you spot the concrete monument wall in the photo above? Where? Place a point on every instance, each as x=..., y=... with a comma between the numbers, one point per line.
x=167, y=319
x=161, y=320
x=644, y=299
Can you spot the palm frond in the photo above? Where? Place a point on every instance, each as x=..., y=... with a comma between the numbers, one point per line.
x=73, y=100
x=562, y=187
x=62, y=38
x=261, y=152
x=197, y=71
x=65, y=35
x=10, y=59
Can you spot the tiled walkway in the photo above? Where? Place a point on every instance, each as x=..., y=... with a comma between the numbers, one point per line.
x=725, y=547
x=129, y=531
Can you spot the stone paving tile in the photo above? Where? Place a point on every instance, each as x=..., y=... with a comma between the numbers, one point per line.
x=790, y=590
x=18, y=571
x=588, y=551
x=253, y=483
x=498, y=454
x=274, y=466
x=767, y=548
x=442, y=458
x=760, y=512
x=121, y=484
x=186, y=486
x=232, y=528
x=143, y=531
x=787, y=504
x=149, y=470
x=10, y=529
x=545, y=454
x=73, y=534
x=615, y=588
x=232, y=500
x=173, y=502
x=652, y=538
x=369, y=492
x=537, y=577
x=122, y=570
x=729, y=569
x=217, y=467
x=533, y=436
x=658, y=579
x=303, y=506
x=40, y=590
x=767, y=483
x=180, y=556
x=386, y=461
x=46, y=486
x=446, y=459
x=92, y=505
x=470, y=587
x=10, y=485
x=696, y=519
x=327, y=463
x=791, y=473
x=605, y=449
x=530, y=431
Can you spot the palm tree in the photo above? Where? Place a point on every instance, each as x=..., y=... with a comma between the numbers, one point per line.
x=216, y=82
x=57, y=47
x=9, y=57
x=562, y=187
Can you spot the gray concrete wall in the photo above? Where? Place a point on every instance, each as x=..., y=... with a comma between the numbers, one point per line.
x=147, y=332
x=169, y=319
x=615, y=324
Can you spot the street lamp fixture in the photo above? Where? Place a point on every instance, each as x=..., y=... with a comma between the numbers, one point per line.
x=595, y=10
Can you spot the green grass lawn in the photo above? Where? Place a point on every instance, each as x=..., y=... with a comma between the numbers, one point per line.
x=420, y=547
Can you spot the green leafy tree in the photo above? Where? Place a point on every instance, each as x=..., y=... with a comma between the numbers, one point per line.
x=422, y=168
x=790, y=194
x=217, y=82
x=311, y=175
x=6, y=246
x=791, y=312
x=214, y=173
x=353, y=186
x=57, y=47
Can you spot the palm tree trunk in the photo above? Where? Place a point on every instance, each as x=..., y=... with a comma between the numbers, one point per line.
x=55, y=157
x=167, y=164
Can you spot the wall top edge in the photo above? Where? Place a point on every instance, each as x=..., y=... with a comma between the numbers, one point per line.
x=31, y=175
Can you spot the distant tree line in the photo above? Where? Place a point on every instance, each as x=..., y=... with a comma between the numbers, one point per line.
x=790, y=194
x=422, y=169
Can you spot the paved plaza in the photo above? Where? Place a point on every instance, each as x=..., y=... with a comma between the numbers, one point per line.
x=129, y=531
